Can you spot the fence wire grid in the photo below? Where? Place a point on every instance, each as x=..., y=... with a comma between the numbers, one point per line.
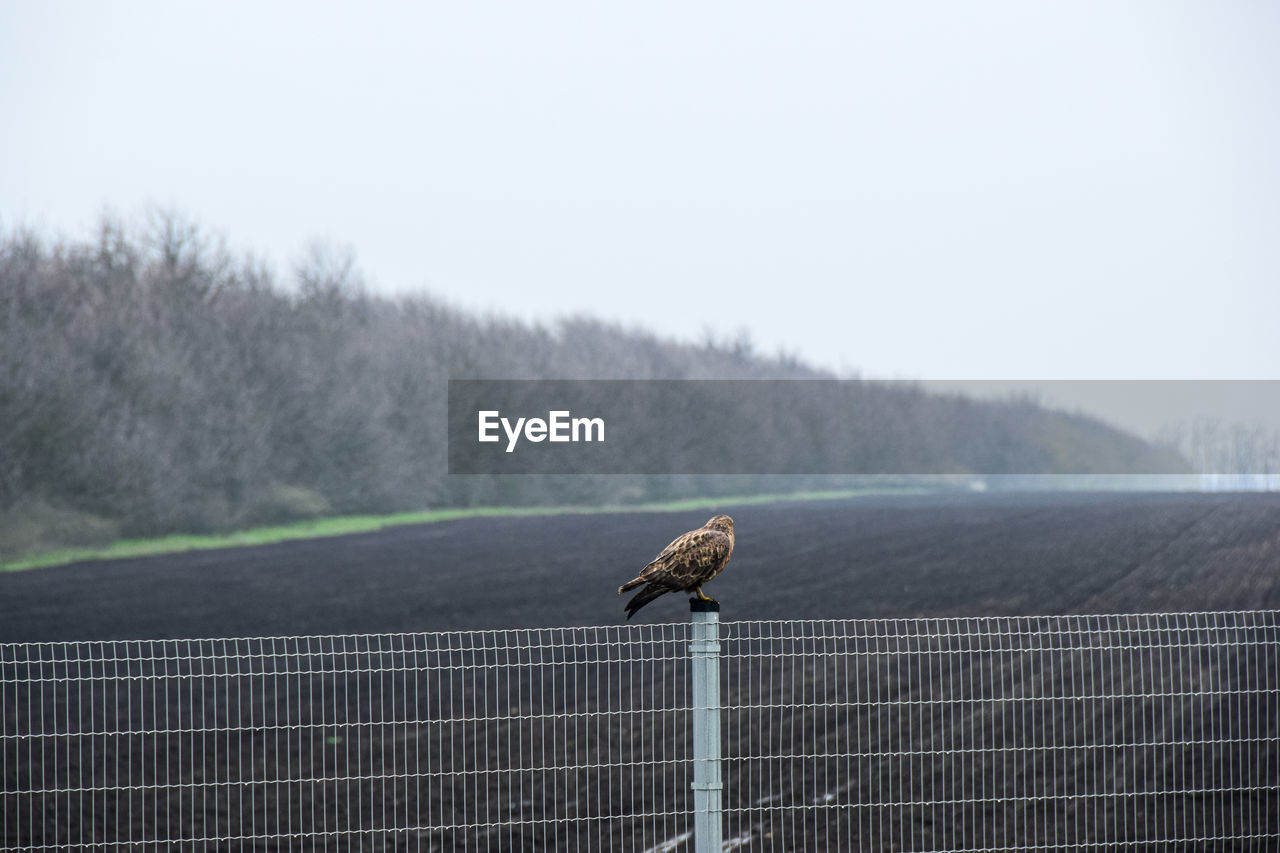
x=1154, y=731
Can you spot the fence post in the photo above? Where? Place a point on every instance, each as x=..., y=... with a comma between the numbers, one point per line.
x=708, y=820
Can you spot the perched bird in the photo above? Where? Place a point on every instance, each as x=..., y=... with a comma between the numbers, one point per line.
x=685, y=565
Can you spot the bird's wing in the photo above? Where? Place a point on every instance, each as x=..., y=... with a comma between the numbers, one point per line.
x=688, y=558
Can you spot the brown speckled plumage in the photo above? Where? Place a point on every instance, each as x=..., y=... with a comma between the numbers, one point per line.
x=685, y=565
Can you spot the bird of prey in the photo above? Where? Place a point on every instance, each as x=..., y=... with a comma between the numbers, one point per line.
x=686, y=564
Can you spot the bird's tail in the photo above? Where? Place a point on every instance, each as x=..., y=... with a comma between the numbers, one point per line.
x=643, y=597
x=631, y=584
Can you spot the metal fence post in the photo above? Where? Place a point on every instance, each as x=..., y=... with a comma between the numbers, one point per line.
x=708, y=819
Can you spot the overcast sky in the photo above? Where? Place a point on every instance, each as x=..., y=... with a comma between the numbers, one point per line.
x=952, y=190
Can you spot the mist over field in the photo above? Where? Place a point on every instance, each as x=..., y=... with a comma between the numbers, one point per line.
x=156, y=381
x=989, y=192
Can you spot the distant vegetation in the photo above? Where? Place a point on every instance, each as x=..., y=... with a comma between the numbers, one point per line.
x=155, y=382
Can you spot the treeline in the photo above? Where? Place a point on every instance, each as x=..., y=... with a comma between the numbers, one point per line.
x=161, y=382
x=1214, y=446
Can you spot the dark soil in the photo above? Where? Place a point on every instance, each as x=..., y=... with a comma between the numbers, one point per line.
x=935, y=555
x=1147, y=733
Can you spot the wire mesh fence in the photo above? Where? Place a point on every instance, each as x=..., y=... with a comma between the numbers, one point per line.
x=1157, y=731
x=509, y=740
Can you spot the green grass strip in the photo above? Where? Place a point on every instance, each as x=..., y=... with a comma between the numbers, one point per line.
x=366, y=523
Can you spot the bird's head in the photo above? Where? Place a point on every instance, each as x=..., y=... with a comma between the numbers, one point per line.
x=720, y=522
